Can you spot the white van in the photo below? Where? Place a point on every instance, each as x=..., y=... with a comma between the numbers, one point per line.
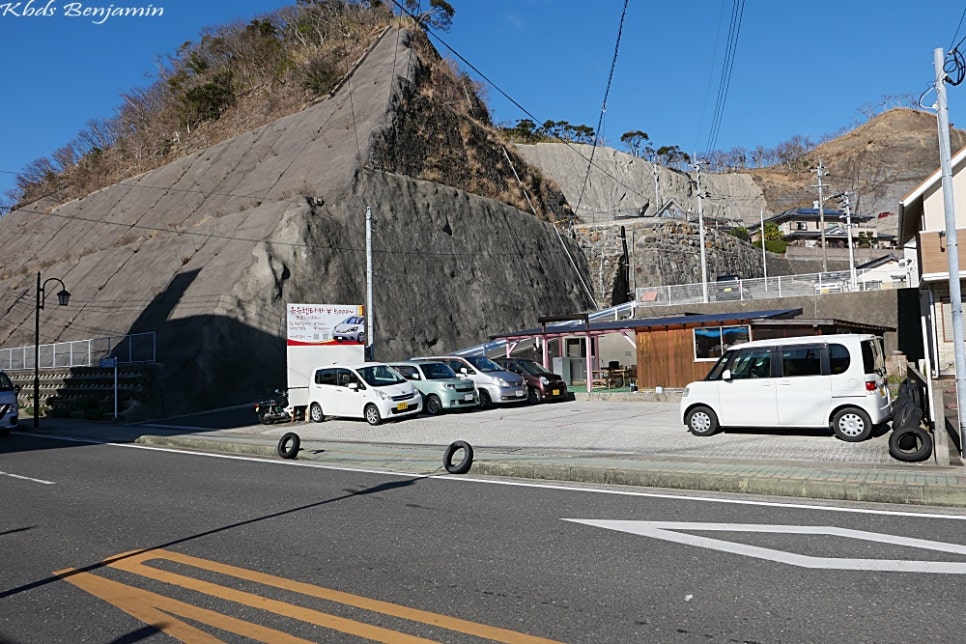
x=836, y=381
x=369, y=390
x=9, y=412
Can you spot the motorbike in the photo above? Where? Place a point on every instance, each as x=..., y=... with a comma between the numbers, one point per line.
x=274, y=410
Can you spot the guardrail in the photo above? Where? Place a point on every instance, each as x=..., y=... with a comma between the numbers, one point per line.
x=128, y=349
x=758, y=288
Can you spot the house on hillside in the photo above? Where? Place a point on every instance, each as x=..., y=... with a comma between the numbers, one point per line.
x=803, y=227
x=922, y=233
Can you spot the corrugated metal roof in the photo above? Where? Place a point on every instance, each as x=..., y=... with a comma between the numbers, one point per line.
x=635, y=324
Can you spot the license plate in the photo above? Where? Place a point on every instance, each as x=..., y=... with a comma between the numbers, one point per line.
x=555, y=392
x=468, y=397
x=402, y=407
x=519, y=394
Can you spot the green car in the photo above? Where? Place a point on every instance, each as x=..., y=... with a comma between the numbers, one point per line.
x=441, y=388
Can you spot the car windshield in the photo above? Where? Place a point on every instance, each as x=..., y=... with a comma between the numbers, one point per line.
x=483, y=363
x=380, y=376
x=5, y=383
x=719, y=366
x=437, y=371
x=534, y=368
x=353, y=321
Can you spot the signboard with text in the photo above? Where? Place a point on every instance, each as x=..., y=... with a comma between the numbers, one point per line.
x=319, y=335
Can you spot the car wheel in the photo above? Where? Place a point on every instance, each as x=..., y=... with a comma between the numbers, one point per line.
x=371, y=413
x=701, y=421
x=485, y=401
x=433, y=405
x=910, y=444
x=315, y=413
x=533, y=396
x=852, y=424
x=362, y=338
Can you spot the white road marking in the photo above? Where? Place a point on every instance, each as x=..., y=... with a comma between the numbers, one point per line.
x=27, y=478
x=670, y=531
x=528, y=484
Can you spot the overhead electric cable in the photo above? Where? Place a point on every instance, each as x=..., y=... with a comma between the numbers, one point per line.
x=727, y=65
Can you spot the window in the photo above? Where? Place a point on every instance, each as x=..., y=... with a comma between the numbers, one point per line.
x=711, y=342
x=839, y=358
x=325, y=377
x=805, y=360
x=751, y=363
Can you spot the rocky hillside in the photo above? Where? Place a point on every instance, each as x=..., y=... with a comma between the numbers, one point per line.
x=207, y=250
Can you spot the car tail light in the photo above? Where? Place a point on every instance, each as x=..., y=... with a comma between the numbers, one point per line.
x=870, y=385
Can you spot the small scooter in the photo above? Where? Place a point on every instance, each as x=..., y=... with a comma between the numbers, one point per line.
x=274, y=410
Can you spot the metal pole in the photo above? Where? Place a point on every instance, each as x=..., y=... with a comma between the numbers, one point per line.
x=369, y=322
x=848, y=231
x=704, y=261
x=37, y=307
x=955, y=294
x=764, y=255
x=820, y=171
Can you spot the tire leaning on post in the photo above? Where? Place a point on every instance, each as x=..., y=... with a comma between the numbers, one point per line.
x=288, y=445
x=463, y=466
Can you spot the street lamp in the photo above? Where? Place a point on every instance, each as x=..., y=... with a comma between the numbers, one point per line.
x=63, y=297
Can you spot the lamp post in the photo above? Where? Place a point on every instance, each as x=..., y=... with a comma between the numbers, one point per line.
x=63, y=297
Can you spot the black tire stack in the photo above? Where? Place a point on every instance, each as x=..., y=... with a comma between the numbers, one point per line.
x=909, y=441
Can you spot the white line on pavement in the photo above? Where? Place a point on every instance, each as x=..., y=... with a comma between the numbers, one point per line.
x=26, y=478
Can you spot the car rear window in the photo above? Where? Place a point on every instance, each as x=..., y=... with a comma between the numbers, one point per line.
x=873, y=361
x=839, y=358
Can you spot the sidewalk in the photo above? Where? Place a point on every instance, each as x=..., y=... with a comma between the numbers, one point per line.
x=593, y=441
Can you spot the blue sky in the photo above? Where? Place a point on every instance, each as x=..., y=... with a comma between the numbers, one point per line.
x=799, y=68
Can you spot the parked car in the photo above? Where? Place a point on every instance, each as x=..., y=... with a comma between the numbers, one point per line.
x=542, y=384
x=441, y=389
x=836, y=381
x=351, y=329
x=369, y=390
x=9, y=412
x=728, y=287
x=496, y=385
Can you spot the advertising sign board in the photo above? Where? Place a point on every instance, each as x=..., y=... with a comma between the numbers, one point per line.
x=319, y=335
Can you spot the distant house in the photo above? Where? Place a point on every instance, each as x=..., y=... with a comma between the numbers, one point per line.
x=803, y=227
x=922, y=233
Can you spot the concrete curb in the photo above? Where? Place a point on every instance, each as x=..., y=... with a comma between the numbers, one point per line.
x=796, y=482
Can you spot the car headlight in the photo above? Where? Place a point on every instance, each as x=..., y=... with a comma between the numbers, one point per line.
x=544, y=381
x=686, y=392
x=449, y=385
x=502, y=382
x=382, y=394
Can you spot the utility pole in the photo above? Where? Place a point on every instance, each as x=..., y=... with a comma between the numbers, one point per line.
x=848, y=231
x=369, y=316
x=952, y=254
x=704, y=261
x=820, y=171
x=657, y=186
x=764, y=255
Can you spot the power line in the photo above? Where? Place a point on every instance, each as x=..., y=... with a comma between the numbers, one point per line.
x=734, y=29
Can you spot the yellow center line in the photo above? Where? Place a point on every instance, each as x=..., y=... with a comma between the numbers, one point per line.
x=134, y=562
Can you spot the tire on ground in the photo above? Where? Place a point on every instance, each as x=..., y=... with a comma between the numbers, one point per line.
x=288, y=445
x=852, y=424
x=463, y=466
x=910, y=444
x=701, y=421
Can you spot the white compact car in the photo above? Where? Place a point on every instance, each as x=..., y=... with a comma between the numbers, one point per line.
x=369, y=390
x=836, y=381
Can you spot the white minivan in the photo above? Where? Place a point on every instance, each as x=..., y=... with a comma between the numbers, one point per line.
x=369, y=390
x=836, y=381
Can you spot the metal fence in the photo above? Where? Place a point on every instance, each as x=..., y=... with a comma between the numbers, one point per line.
x=128, y=349
x=759, y=288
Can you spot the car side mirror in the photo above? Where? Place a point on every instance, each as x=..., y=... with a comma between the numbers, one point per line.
x=16, y=388
x=354, y=386
x=726, y=374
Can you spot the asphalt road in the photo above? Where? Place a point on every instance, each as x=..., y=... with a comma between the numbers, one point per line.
x=276, y=549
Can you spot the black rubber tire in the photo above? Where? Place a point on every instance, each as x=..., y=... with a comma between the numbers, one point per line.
x=852, y=424
x=371, y=412
x=702, y=421
x=463, y=466
x=288, y=445
x=315, y=413
x=910, y=444
x=433, y=405
x=533, y=395
x=485, y=401
x=264, y=418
